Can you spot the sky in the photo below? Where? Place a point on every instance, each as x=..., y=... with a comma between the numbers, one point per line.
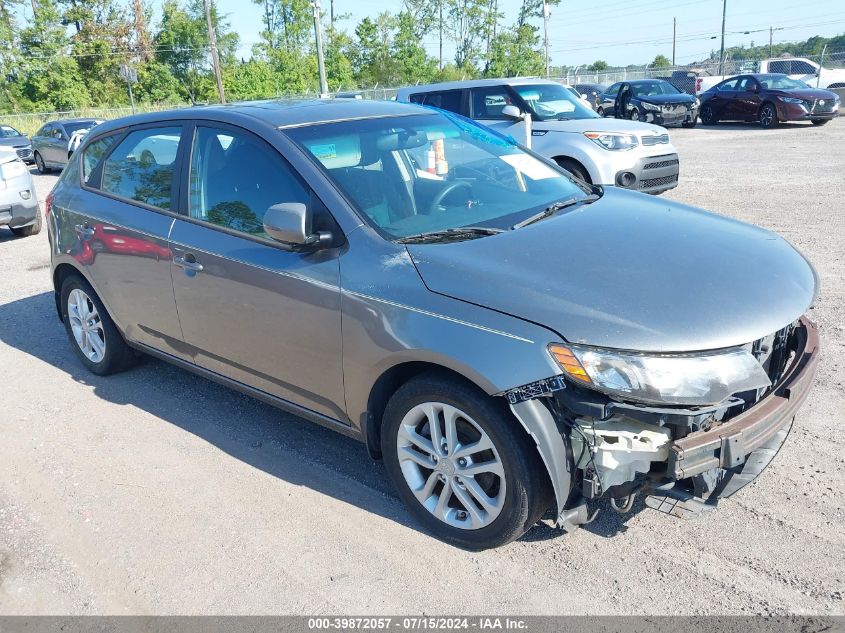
x=620, y=32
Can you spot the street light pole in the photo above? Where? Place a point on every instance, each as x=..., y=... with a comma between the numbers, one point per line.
x=722, y=53
x=321, y=64
x=674, y=33
x=215, y=60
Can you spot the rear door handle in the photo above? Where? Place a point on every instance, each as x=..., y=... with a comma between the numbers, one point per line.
x=188, y=263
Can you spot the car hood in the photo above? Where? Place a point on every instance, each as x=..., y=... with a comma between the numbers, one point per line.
x=600, y=124
x=631, y=272
x=664, y=99
x=805, y=93
x=14, y=141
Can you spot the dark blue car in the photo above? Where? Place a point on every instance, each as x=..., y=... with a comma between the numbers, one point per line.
x=651, y=101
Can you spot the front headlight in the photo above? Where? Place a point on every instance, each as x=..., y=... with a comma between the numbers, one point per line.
x=613, y=140
x=683, y=379
x=650, y=107
x=12, y=169
x=790, y=100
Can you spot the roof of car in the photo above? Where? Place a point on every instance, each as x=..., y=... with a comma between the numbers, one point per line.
x=280, y=114
x=475, y=83
x=84, y=119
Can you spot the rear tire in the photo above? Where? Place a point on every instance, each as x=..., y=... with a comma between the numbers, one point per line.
x=91, y=331
x=473, y=499
x=820, y=121
x=768, y=116
x=32, y=229
x=708, y=115
x=41, y=165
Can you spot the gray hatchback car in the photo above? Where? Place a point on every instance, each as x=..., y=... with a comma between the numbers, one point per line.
x=512, y=342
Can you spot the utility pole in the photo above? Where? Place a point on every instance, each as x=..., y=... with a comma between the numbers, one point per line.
x=321, y=63
x=722, y=53
x=674, y=33
x=331, y=21
x=546, y=33
x=212, y=41
x=440, y=6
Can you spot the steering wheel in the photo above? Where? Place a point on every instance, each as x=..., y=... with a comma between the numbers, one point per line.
x=451, y=187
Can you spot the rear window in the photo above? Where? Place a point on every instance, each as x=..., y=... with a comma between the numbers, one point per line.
x=93, y=154
x=447, y=100
x=141, y=167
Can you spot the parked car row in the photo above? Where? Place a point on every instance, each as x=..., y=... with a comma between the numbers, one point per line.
x=629, y=154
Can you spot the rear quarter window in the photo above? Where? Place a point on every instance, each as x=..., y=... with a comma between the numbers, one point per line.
x=93, y=154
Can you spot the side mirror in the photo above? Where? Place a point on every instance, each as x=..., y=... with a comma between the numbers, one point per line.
x=755, y=88
x=512, y=112
x=289, y=223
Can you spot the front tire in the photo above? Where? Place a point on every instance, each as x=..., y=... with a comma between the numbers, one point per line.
x=32, y=229
x=635, y=115
x=690, y=124
x=40, y=164
x=574, y=168
x=462, y=464
x=820, y=121
x=91, y=331
x=708, y=115
x=768, y=116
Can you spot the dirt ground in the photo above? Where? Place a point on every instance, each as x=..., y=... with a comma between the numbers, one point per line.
x=157, y=492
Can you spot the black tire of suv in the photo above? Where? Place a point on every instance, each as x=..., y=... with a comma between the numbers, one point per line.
x=528, y=493
x=820, y=121
x=708, y=116
x=32, y=229
x=574, y=168
x=40, y=164
x=118, y=355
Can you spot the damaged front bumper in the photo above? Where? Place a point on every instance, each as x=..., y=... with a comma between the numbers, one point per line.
x=700, y=460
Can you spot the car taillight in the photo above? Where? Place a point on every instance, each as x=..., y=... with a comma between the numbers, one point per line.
x=48, y=204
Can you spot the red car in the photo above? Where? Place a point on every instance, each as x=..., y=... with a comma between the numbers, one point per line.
x=770, y=99
x=100, y=238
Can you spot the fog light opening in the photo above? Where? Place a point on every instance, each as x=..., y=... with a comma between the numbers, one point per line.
x=626, y=179
x=26, y=194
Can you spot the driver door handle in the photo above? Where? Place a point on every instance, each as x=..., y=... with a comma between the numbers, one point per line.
x=188, y=263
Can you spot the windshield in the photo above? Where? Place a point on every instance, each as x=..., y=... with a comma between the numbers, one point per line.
x=650, y=88
x=553, y=101
x=781, y=82
x=433, y=172
x=7, y=131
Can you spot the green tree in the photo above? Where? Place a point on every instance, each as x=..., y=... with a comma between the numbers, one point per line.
x=468, y=25
x=49, y=78
x=514, y=53
x=598, y=65
x=661, y=61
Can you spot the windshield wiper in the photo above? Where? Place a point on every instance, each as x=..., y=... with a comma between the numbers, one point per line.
x=554, y=208
x=463, y=232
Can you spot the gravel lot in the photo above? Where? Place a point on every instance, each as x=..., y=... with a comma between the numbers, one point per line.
x=158, y=492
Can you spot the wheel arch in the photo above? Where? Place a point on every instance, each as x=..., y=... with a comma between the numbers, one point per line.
x=562, y=160
x=386, y=385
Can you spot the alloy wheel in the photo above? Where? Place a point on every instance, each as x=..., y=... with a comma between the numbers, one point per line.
x=86, y=325
x=767, y=116
x=451, y=465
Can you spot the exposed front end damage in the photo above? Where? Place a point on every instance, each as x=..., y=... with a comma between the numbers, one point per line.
x=684, y=459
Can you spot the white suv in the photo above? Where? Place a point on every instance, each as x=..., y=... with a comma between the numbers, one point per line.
x=601, y=151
